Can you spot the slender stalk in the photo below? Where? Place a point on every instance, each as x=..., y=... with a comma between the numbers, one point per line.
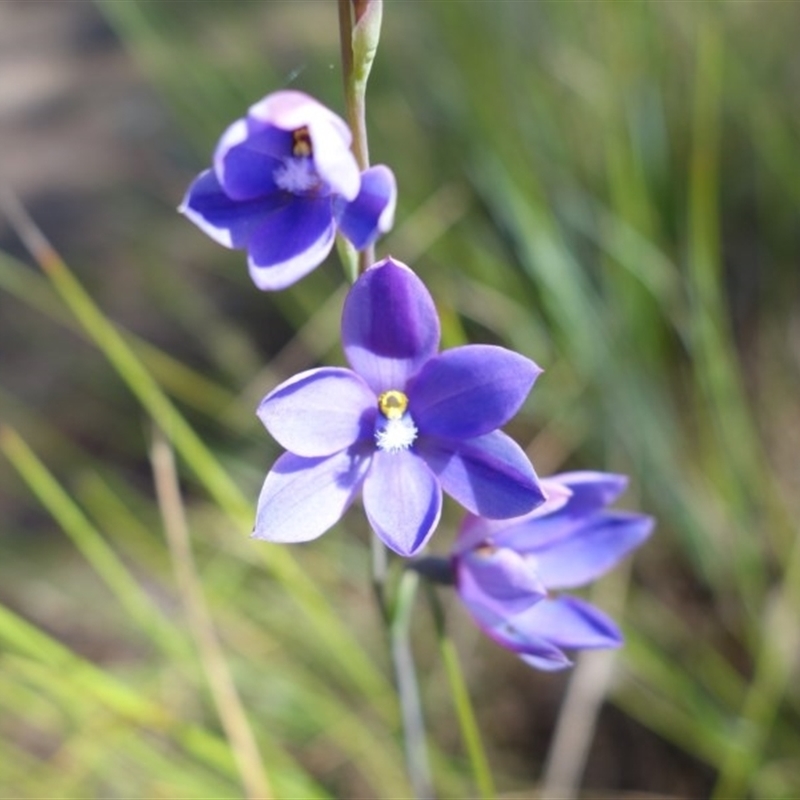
x=419, y=770
x=467, y=722
x=223, y=689
x=355, y=87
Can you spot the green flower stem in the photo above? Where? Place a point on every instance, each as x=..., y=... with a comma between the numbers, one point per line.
x=359, y=33
x=419, y=770
x=467, y=722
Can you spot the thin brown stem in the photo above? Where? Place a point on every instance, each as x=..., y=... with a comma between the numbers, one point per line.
x=223, y=689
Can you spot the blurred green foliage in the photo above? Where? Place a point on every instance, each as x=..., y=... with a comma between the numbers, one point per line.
x=611, y=189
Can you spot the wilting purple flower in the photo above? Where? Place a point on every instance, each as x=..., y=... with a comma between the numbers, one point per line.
x=404, y=423
x=504, y=569
x=283, y=180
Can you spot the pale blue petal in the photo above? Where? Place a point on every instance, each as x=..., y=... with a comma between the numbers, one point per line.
x=304, y=497
x=403, y=500
x=319, y=412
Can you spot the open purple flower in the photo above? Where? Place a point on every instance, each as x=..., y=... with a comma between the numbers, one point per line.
x=503, y=570
x=283, y=180
x=404, y=423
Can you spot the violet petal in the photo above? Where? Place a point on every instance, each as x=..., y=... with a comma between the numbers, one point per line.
x=498, y=579
x=319, y=412
x=489, y=475
x=228, y=222
x=304, y=497
x=523, y=641
x=587, y=493
x=471, y=390
x=245, y=161
x=389, y=325
x=330, y=137
x=546, y=664
x=290, y=242
x=403, y=500
x=569, y=622
x=591, y=491
x=592, y=550
x=371, y=213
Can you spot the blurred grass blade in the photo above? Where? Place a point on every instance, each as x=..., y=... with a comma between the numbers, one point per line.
x=182, y=382
x=223, y=689
x=90, y=542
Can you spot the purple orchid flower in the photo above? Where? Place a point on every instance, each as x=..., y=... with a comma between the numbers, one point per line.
x=505, y=571
x=283, y=180
x=405, y=423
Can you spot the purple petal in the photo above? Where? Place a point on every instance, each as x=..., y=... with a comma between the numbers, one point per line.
x=499, y=580
x=526, y=643
x=471, y=390
x=389, y=325
x=591, y=491
x=228, y=222
x=552, y=664
x=291, y=242
x=592, y=550
x=587, y=493
x=330, y=136
x=245, y=160
x=569, y=622
x=372, y=211
x=319, y=412
x=403, y=501
x=476, y=530
x=490, y=475
x=304, y=497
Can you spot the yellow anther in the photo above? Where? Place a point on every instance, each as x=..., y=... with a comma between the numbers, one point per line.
x=392, y=404
x=301, y=142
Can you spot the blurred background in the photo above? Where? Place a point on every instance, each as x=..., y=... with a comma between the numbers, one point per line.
x=611, y=189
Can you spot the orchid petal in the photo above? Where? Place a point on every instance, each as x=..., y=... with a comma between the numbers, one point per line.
x=569, y=622
x=304, y=497
x=590, y=491
x=403, y=500
x=290, y=242
x=589, y=552
x=330, y=137
x=389, y=325
x=490, y=475
x=469, y=391
x=245, y=161
x=525, y=642
x=371, y=213
x=319, y=412
x=586, y=493
x=499, y=580
x=228, y=222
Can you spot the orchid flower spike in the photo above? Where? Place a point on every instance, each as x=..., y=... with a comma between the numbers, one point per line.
x=403, y=424
x=283, y=180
